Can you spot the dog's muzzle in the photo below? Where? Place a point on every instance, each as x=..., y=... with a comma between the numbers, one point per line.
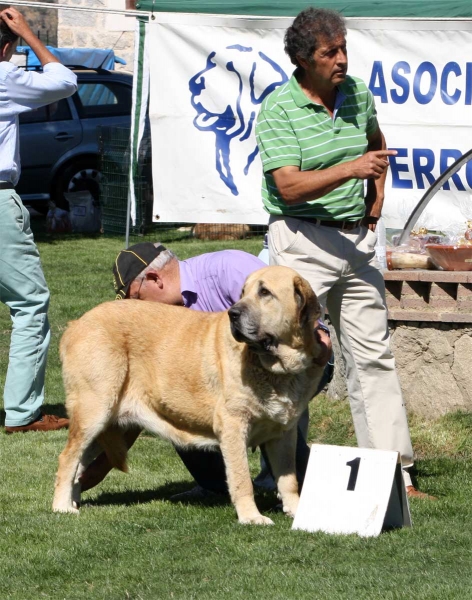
x=245, y=330
x=239, y=330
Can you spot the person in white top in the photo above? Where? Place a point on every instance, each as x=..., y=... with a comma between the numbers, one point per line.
x=22, y=285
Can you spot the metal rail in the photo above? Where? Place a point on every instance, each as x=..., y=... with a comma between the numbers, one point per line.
x=430, y=193
x=114, y=11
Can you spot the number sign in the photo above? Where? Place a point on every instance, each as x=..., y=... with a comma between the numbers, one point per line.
x=352, y=490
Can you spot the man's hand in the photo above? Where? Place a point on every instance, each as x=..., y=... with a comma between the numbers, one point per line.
x=296, y=186
x=370, y=222
x=16, y=22
x=372, y=165
x=326, y=346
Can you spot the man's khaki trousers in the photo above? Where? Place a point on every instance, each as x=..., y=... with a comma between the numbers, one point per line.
x=342, y=269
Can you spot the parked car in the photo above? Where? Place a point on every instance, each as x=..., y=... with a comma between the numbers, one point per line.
x=59, y=143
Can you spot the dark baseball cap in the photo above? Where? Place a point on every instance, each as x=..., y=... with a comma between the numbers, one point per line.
x=130, y=262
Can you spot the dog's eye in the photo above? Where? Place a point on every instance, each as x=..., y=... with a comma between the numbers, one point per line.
x=264, y=292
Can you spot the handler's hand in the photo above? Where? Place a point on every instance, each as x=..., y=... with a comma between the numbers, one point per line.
x=370, y=222
x=326, y=347
x=15, y=21
x=372, y=165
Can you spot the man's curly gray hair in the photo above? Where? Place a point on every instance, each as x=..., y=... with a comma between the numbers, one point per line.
x=312, y=24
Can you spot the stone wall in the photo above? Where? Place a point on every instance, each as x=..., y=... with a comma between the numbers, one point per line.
x=95, y=30
x=430, y=322
x=434, y=365
x=43, y=22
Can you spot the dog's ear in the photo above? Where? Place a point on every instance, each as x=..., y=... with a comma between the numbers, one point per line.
x=308, y=306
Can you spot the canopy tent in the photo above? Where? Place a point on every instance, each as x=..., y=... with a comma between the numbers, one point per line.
x=429, y=9
x=412, y=55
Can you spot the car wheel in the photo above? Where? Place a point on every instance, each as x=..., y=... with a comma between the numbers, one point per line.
x=81, y=175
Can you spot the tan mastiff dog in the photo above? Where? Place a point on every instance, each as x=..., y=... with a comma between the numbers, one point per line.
x=236, y=379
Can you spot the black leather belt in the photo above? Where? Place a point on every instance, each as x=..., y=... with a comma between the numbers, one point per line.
x=6, y=185
x=345, y=225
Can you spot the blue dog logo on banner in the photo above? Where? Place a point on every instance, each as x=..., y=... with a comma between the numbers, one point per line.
x=229, y=110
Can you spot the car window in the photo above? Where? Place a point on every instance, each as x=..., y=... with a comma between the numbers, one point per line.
x=98, y=99
x=57, y=111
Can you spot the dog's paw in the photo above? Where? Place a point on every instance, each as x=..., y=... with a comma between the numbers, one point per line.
x=289, y=511
x=66, y=509
x=256, y=520
x=290, y=507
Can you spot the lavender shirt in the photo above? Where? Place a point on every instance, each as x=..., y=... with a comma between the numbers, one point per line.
x=213, y=282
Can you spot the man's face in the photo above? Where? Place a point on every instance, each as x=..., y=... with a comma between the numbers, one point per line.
x=154, y=288
x=330, y=62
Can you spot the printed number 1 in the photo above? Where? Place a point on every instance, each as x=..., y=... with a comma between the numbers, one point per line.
x=354, y=464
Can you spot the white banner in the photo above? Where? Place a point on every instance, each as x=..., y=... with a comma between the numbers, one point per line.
x=209, y=75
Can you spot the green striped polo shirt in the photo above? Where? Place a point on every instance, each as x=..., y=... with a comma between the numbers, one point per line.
x=293, y=130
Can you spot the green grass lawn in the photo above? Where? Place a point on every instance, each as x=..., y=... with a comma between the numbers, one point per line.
x=132, y=542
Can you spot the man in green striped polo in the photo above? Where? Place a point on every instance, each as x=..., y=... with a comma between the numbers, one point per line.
x=325, y=161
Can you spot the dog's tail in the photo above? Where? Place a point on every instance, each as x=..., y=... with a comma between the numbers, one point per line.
x=113, y=443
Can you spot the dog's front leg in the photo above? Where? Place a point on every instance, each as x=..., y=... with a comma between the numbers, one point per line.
x=281, y=455
x=232, y=437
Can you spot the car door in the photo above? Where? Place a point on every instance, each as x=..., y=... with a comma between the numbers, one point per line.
x=102, y=102
x=46, y=134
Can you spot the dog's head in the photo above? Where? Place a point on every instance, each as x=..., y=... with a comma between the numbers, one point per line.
x=275, y=317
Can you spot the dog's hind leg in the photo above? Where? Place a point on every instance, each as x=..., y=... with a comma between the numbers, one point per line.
x=113, y=441
x=91, y=452
x=67, y=492
x=281, y=454
x=99, y=468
